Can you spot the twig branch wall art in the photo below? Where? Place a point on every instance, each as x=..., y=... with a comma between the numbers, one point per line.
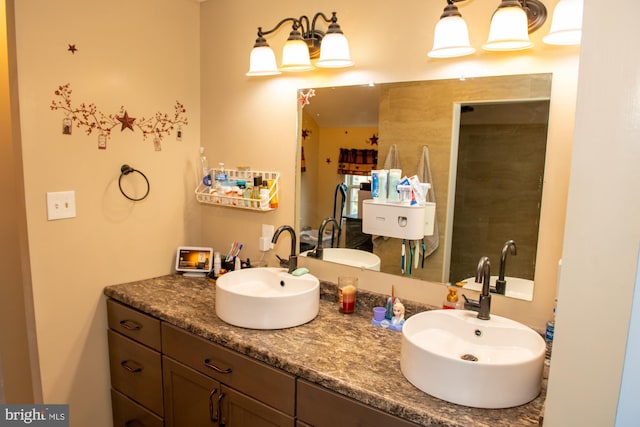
x=89, y=118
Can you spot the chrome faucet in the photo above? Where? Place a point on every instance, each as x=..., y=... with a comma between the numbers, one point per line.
x=318, y=252
x=483, y=305
x=501, y=284
x=292, y=262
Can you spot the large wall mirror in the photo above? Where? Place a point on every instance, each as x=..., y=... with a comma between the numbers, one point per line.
x=485, y=142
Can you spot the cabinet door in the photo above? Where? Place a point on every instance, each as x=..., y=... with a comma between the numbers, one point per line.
x=190, y=398
x=320, y=407
x=240, y=410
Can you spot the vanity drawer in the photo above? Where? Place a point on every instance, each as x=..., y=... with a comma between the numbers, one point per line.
x=320, y=407
x=267, y=384
x=127, y=413
x=134, y=324
x=136, y=371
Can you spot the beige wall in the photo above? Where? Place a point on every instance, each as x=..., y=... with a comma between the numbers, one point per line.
x=387, y=44
x=16, y=340
x=142, y=55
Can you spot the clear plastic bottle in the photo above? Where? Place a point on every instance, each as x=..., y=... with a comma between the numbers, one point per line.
x=206, y=172
x=217, y=264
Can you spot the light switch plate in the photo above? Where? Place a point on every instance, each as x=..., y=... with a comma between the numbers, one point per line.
x=61, y=205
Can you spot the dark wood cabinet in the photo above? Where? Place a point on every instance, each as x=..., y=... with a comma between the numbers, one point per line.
x=320, y=407
x=206, y=384
x=162, y=375
x=135, y=366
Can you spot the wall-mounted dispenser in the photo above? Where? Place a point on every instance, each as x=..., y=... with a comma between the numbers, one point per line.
x=411, y=222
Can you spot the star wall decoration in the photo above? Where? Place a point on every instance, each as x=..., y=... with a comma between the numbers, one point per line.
x=127, y=122
x=328, y=160
x=303, y=99
x=91, y=119
x=72, y=48
x=305, y=133
x=373, y=140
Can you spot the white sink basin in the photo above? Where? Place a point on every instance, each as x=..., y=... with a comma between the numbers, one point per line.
x=516, y=287
x=454, y=356
x=267, y=298
x=351, y=257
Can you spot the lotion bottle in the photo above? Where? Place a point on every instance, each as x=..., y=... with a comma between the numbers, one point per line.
x=451, y=301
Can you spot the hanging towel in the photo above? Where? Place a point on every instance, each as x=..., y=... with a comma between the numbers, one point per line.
x=424, y=174
x=393, y=160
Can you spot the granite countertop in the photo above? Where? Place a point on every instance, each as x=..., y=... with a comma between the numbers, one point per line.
x=343, y=353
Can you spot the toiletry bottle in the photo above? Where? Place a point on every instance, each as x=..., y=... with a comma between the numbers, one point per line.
x=206, y=173
x=255, y=192
x=548, y=335
x=217, y=264
x=220, y=176
x=451, y=301
x=273, y=201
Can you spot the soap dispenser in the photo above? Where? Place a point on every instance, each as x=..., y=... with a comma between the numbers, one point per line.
x=451, y=301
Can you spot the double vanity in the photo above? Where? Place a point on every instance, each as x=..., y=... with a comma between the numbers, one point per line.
x=335, y=370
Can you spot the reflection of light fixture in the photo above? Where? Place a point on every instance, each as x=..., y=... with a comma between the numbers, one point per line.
x=566, y=25
x=512, y=22
x=451, y=36
x=305, y=42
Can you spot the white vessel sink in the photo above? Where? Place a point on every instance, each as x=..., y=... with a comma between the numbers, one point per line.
x=516, y=287
x=454, y=356
x=267, y=298
x=351, y=257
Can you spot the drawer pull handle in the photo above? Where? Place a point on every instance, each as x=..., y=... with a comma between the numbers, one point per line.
x=130, y=325
x=129, y=368
x=213, y=413
x=222, y=422
x=208, y=364
x=133, y=423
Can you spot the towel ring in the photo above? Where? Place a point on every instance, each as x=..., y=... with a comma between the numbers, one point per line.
x=126, y=170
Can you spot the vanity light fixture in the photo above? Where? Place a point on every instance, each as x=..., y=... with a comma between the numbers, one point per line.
x=305, y=42
x=511, y=24
x=451, y=38
x=566, y=24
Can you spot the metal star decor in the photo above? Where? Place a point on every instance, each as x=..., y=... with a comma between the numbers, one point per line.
x=328, y=160
x=88, y=116
x=72, y=48
x=127, y=122
x=305, y=133
x=373, y=140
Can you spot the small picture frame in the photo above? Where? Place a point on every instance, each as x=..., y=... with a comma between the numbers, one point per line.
x=67, y=126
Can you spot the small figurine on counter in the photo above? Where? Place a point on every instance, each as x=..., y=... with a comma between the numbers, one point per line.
x=398, y=316
x=396, y=320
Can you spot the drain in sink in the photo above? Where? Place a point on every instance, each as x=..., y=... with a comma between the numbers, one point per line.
x=469, y=357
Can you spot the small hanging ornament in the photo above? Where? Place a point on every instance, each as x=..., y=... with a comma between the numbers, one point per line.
x=102, y=141
x=156, y=143
x=67, y=126
x=179, y=134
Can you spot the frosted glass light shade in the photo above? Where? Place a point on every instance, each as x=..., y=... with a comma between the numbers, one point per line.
x=334, y=52
x=295, y=56
x=566, y=25
x=262, y=62
x=451, y=38
x=509, y=30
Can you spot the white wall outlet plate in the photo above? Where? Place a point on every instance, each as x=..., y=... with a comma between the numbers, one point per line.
x=61, y=205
